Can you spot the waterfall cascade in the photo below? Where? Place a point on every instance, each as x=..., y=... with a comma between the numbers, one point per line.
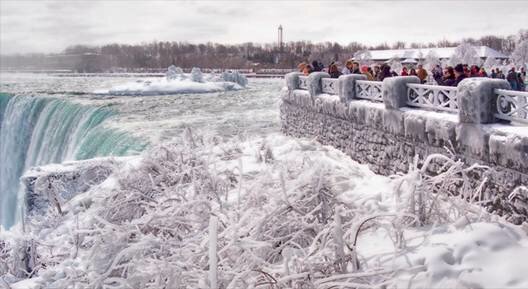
x=40, y=130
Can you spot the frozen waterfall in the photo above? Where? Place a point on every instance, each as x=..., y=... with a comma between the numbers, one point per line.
x=38, y=130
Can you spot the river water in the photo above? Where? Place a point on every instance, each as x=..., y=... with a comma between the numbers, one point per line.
x=50, y=119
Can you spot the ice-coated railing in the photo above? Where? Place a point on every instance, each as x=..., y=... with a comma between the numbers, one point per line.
x=371, y=90
x=400, y=92
x=512, y=105
x=329, y=85
x=443, y=98
x=303, y=82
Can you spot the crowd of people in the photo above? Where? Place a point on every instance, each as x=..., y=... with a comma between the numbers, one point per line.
x=447, y=76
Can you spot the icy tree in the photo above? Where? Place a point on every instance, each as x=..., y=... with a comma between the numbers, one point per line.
x=235, y=77
x=465, y=53
x=395, y=64
x=431, y=60
x=363, y=57
x=196, y=75
x=420, y=57
x=490, y=63
x=174, y=72
x=520, y=54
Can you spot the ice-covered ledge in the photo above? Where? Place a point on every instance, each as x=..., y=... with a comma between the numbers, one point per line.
x=54, y=184
x=388, y=134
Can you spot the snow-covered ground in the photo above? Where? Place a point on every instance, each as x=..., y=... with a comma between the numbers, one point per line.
x=287, y=213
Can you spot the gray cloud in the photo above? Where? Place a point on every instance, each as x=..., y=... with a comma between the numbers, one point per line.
x=50, y=26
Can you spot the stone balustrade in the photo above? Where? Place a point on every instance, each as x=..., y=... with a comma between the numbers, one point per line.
x=496, y=105
x=372, y=90
x=442, y=98
x=512, y=105
x=387, y=124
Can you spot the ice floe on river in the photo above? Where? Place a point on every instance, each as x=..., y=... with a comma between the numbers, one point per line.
x=178, y=82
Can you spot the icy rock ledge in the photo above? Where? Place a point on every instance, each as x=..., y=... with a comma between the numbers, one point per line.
x=178, y=82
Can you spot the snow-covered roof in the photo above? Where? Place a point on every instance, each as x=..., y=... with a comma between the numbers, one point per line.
x=410, y=60
x=443, y=52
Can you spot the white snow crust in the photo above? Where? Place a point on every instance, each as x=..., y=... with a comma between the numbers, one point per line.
x=275, y=211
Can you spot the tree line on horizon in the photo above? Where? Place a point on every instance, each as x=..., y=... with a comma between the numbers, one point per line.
x=158, y=55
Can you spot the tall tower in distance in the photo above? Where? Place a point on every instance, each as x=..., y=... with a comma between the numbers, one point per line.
x=280, y=38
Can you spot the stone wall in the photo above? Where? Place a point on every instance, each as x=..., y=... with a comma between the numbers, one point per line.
x=387, y=135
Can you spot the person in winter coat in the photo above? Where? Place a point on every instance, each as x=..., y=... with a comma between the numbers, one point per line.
x=307, y=69
x=448, y=79
x=301, y=66
x=437, y=72
x=421, y=73
x=365, y=71
x=413, y=72
x=494, y=73
x=500, y=74
x=385, y=72
x=377, y=71
x=522, y=78
x=404, y=71
x=317, y=66
x=482, y=72
x=355, y=68
x=512, y=79
x=474, y=71
x=459, y=74
x=467, y=72
x=334, y=71
x=348, y=67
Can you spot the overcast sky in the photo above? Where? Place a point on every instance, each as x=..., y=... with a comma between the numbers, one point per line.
x=50, y=26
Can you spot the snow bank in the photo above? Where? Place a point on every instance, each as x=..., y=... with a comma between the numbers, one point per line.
x=278, y=212
x=49, y=186
x=177, y=82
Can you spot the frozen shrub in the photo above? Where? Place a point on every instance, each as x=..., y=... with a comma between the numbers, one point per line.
x=196, y=75
x=520, y=54
x=465, y=53
x=200, y=215
x=174, y=72
x=235, y=77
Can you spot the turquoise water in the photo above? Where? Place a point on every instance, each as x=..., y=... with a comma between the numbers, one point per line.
x=66, y=121
x=42, y=130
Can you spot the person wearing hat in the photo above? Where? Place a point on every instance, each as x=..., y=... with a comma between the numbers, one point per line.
x=459, y=74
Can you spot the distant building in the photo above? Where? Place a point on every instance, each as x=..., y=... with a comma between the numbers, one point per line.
x=417, y=54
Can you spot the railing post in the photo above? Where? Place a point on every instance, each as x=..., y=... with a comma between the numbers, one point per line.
x=346, y=85
x=395, y=90
x=292, y=80
x=314, y=82
x=477, y=101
